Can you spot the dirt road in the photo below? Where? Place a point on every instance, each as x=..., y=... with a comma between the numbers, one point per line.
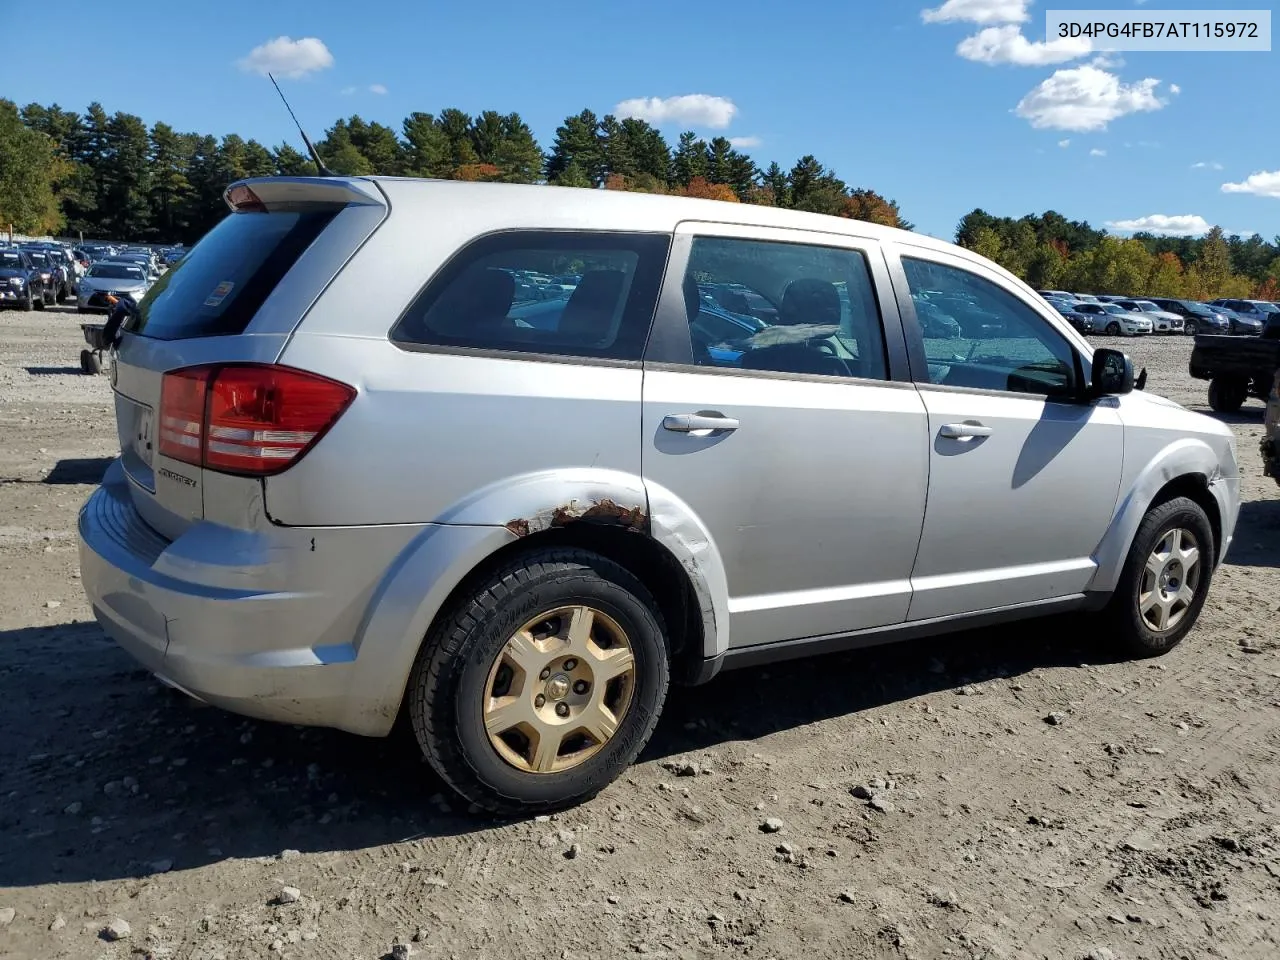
x=1142, y=824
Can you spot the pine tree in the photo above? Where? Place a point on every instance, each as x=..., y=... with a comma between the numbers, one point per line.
x=578, y=142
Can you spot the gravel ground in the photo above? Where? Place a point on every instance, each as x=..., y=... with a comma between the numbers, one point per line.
x=1009, y=793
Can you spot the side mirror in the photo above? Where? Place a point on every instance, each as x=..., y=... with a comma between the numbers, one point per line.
x=1112, y=372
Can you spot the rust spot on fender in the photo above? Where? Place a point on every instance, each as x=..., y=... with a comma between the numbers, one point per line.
x=605, y=511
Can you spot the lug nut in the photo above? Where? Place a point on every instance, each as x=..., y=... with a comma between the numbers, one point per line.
x=539, y=700
x=545, y=673
x=570, y=664
x=562, y=709
x=580, y=686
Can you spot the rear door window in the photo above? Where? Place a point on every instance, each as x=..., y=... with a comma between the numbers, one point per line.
x=218, y=287
x=498, y=294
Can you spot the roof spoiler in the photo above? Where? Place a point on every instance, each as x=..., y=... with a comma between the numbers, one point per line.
x=286, y=193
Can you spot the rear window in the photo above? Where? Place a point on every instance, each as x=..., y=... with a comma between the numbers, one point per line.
x=217, y=288
x=497, y=294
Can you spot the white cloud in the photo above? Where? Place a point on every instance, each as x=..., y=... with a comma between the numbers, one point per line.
x=1179, y=225
x=1174, y=88
x=1064, y=144
x=1264, y=184
x=1085, y=98
x=288, y=57
x=744, y=143
x=1007, y=45
x=696, y=109
x=978, y=11
x=348, y=91
x=377, y=88
x=1207, y=165
x=1095, y=152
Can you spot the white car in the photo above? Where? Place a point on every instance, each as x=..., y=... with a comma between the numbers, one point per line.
x=1116, y=321
x=1162, y=320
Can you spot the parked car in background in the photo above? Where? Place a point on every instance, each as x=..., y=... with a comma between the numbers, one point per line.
x=110, y=278
x=301, y=527
x=1116, y=321
x=22, y=284
x=47, y=270
x=1069, y=309
x=1055, y=294
x=1241, y=325
x=1163, y=321
x=1084, y=298
x=1196, y=317
x=1257, y=310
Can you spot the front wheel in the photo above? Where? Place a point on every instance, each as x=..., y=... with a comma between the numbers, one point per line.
x=27, y=303
x=1113, y=329
x=1227, y=396
x=1189, y=328
x=541, y=687
x=89, y=362
x=1165, y=578
x=38, y=302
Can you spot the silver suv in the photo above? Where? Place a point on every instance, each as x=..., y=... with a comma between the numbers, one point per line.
x=360, y=475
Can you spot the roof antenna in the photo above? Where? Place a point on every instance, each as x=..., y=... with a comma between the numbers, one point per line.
x=315, y=154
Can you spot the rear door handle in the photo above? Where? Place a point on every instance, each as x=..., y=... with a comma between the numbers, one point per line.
x=710, y=422
x=964, y=431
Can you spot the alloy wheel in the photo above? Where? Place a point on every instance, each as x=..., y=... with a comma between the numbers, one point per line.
x=559, y=689
x=1170, y=580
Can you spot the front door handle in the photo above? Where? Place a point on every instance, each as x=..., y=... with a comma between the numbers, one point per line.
x=964, y=431
x=702, y=423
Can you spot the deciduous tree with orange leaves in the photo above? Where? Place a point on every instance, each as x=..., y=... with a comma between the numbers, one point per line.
x=701, y=188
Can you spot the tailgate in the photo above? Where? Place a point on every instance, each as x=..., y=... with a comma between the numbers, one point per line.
x=235, y=298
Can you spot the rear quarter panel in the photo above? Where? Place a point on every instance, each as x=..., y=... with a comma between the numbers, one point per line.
x=431, y=428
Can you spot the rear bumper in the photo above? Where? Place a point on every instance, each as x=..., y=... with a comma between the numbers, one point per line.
x=263, y=623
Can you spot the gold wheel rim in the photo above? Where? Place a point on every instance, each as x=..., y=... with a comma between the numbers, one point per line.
x=559, y=689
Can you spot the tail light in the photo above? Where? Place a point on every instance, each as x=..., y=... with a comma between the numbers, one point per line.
x=248, y=419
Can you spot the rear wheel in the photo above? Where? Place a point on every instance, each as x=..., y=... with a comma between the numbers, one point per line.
x=1227, y=395
x=1165, y=578
x=1113, y=329
x=541, y=688
x=89, y=362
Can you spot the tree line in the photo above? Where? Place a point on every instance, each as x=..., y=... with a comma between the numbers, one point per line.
x=110, y=176
x=1051, y=252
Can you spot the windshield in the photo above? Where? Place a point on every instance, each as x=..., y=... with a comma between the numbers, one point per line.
x=1199, y=309
x=1113, y=308
x=1148, y=307
x=39, y=259
x=116, y=271
x=10, y=259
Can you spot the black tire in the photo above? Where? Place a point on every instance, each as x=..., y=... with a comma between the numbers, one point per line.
x=447, y=687
x=1137, y=637
x=1189, y=328
x=61, y=295
x=89, y=362
x=38, y=302
x=1227, y=396
x=26, y=303
x=1113, y=329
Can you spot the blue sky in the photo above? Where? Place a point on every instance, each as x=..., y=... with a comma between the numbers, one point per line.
x=941, y=106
